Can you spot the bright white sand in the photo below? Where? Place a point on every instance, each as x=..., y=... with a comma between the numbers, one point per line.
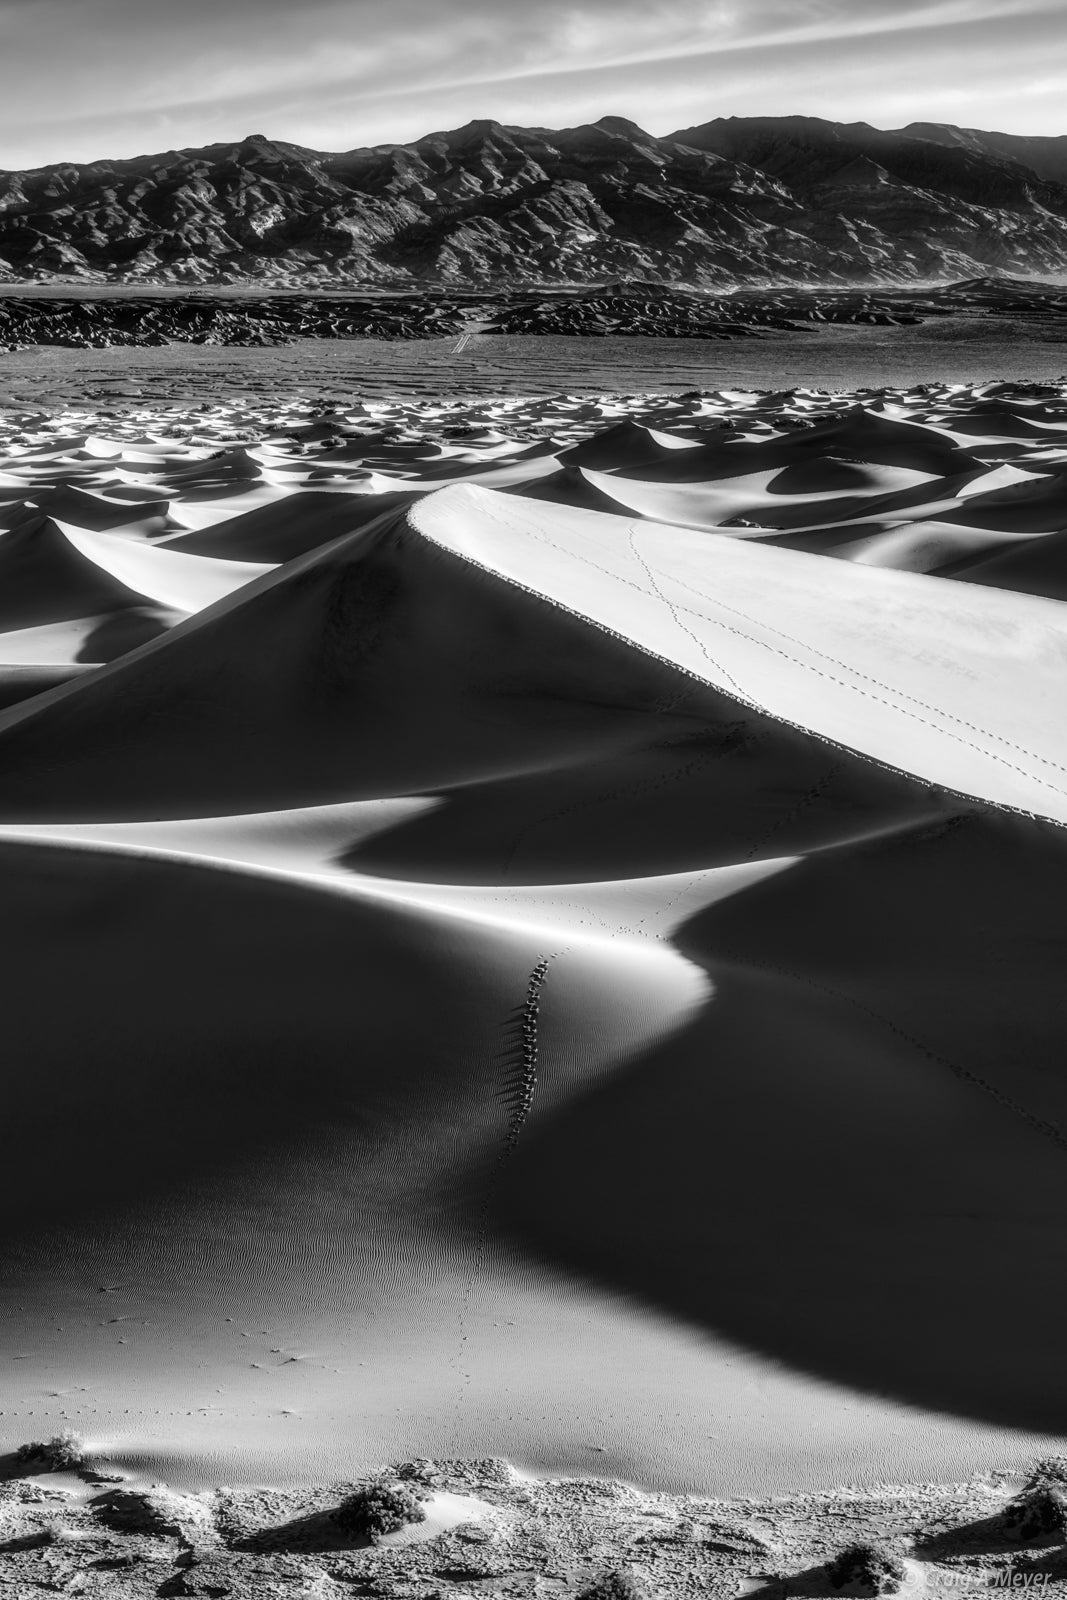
x=310, y=756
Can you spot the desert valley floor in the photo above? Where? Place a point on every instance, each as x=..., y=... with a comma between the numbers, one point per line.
x=534, y=925
x=958, y=348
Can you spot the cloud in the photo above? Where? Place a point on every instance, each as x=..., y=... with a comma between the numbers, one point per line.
x=82, y=78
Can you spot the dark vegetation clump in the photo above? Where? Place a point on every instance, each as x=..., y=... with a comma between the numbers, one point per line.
x=617, y=1584
x=867, y=1567
x=380, y=1509
x=64, y=1452
x=1039, y=1512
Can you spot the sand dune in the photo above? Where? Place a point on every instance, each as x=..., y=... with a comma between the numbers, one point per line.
x=24, y=680
x=537, y=930
x=886, y=1049
x=881, y=663
x=168, y=577
x=48, y=578
x=277, y=533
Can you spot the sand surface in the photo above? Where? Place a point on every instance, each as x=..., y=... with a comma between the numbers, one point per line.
x=494, y=1531
x=966, y=349
x=534, y=930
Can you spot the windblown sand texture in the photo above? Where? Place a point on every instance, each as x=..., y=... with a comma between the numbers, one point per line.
x=534, y=928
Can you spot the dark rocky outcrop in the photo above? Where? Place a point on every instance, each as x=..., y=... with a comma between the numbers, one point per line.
x=93, y=319
x=82, y=322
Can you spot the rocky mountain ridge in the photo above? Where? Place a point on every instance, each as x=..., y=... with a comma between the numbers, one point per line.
x=750, y=201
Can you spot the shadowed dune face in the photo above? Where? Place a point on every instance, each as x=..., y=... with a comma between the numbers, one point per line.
x=303, y=522
x=127, y=630
x=45, y=580
x=385, y=667
x=539, y=912
x=1030, y=567
x=21, y=682
x=873, y=439
x=701, y=798
x=856, y=1153
x=238, y=1029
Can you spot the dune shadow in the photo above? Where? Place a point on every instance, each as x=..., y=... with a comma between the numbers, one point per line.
x=688, y=796
x=1046, y=1566
x=209, y=1019
x=317, y=1531
x=847, y=1157
x=43, y=579
x=11, y=1467
x=984, y=1536
x=1037, y=565
x=280, y=532
x=38, y=1540
x=811, y=1583
x=21, y=683
x=126, y=630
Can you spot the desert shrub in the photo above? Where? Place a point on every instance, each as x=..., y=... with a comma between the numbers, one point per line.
x=64, y=1452
x=870, y=1567
x=1038, y=1512
x=617, y=1584
x=382, y=1508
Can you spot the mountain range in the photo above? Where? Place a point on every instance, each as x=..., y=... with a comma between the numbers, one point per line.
x=738, y=200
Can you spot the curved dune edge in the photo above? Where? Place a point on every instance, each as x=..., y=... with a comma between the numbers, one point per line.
x=168, y=577
x=298, y=877
x=911, y=712
x=632, y=913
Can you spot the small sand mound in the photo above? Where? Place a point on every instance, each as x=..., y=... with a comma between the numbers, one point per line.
x=158, y=1512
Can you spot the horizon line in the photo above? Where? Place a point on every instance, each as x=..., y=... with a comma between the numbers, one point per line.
x=494, y=122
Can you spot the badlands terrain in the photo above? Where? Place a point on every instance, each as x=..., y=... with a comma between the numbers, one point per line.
x=998, y=308
x=534, y=936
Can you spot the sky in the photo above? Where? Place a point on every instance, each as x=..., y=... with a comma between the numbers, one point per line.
x=84, y=80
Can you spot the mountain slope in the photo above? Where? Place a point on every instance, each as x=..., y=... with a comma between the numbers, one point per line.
x=787, y=199
x=1044, y=154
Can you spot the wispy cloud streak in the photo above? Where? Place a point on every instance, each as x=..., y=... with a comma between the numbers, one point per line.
x=85, y=78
